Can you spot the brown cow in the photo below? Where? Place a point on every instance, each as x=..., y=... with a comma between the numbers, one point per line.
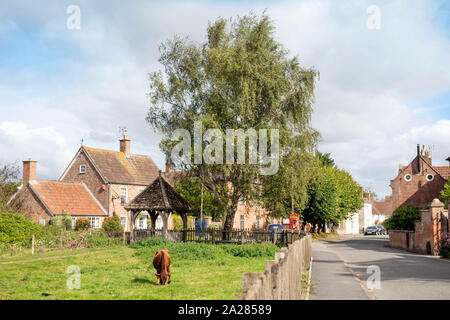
x=161, y=262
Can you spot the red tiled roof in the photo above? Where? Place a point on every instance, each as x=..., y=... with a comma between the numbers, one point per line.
x=114, y=166
x=384, y=207
x=444, y=171
x=72, y=198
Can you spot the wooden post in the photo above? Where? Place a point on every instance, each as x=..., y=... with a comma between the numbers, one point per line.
x=123, y=237
x=32, y=245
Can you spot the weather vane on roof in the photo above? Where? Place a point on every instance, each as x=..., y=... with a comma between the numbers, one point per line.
x=124, y=132
x=81, y=141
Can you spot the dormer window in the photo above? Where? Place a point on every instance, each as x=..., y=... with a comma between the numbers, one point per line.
x=429, y=177
x=408, y=177
x=83, y=168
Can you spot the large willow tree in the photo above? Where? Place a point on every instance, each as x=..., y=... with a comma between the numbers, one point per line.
x=239, y=78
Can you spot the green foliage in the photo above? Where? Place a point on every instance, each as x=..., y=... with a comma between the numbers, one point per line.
x=112, y=224
x=239, y=78
x=16, y=229
x=403, y=218
x=445, y=194
x=9, y=175
x=444, y=247
x=190, y=188
x=63, y=221
x=98, y=239
x=177, y=222
x=325, y=159
x=333, y=195
x=82, y=224
x=203, y=251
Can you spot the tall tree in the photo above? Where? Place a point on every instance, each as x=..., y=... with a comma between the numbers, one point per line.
x=9, y=182
x=240, y=78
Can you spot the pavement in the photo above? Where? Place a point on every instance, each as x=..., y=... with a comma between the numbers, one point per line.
x=361, y=268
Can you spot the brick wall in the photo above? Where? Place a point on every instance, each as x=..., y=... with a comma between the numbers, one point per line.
x=429, y=230
x=282, y=278
x=30, y=206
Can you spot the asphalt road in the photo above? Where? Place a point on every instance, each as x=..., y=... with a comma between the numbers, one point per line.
x=341, y=269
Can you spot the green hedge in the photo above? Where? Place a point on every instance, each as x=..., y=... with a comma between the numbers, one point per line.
x=204, y=251
x=403, y=218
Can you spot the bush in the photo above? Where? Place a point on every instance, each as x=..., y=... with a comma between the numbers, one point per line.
x=403, y=218
x=99, y=239
x=82, y=224
x=204, y=251
x=16, y=229
x=63, y=221
x=444, y=247
x=112, y=224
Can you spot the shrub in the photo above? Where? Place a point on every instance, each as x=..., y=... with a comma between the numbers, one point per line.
x=63, y=221
x=444, y=247
x=16, y=229
x=177, y=222
x=112, y=224
x=403, y=218
x=82, y=224
x=99, y=239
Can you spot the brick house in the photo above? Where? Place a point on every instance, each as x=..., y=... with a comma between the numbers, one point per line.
x=43, y=199
x=417, y=183
x=114, y=177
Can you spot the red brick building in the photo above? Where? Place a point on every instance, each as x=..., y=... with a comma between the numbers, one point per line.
x=417, y=183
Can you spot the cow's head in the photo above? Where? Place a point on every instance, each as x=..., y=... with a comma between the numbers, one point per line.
x=163, y=277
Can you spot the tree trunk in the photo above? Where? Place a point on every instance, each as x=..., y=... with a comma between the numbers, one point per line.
x=229, y=219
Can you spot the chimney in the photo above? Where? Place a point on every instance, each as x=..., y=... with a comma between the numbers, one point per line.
x=167, y=167
x=125, y=143
x=29, y=171
x=125, y=146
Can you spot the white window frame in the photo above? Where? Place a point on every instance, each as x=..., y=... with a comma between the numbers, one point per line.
x=74, y=222
x=409, y=176
x=81, y=168
x=42, y=222
x=123, y=222
x=242, y=222
x=142, y=220
x=258, y=223
x=95, y=222
x=432, y=177
x=126, y=195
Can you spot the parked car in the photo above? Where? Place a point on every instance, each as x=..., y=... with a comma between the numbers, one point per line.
x=381, y=229
x=371, y=230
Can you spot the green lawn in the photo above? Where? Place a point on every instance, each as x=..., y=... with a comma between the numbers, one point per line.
x=120, y=273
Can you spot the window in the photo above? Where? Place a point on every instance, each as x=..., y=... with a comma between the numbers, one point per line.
x=257, y=226
x=42, y=222
x=408, y=177
x=123, y=223
x=142, y=223
x=430, y=177
x=242, y=222
x=74, y=222
x=95, y=222
x=83, y=168
x=123, y=195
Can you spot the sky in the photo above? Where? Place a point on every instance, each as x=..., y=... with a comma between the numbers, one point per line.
x=384, y=82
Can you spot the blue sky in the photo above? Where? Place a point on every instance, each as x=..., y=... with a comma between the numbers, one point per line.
x=380, y=93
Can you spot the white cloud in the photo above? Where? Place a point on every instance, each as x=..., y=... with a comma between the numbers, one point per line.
x=99, y=81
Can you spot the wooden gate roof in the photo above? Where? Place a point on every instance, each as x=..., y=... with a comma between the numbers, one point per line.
x=159, y=195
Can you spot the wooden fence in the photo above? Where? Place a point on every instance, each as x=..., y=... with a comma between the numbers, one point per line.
x=213, y=236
